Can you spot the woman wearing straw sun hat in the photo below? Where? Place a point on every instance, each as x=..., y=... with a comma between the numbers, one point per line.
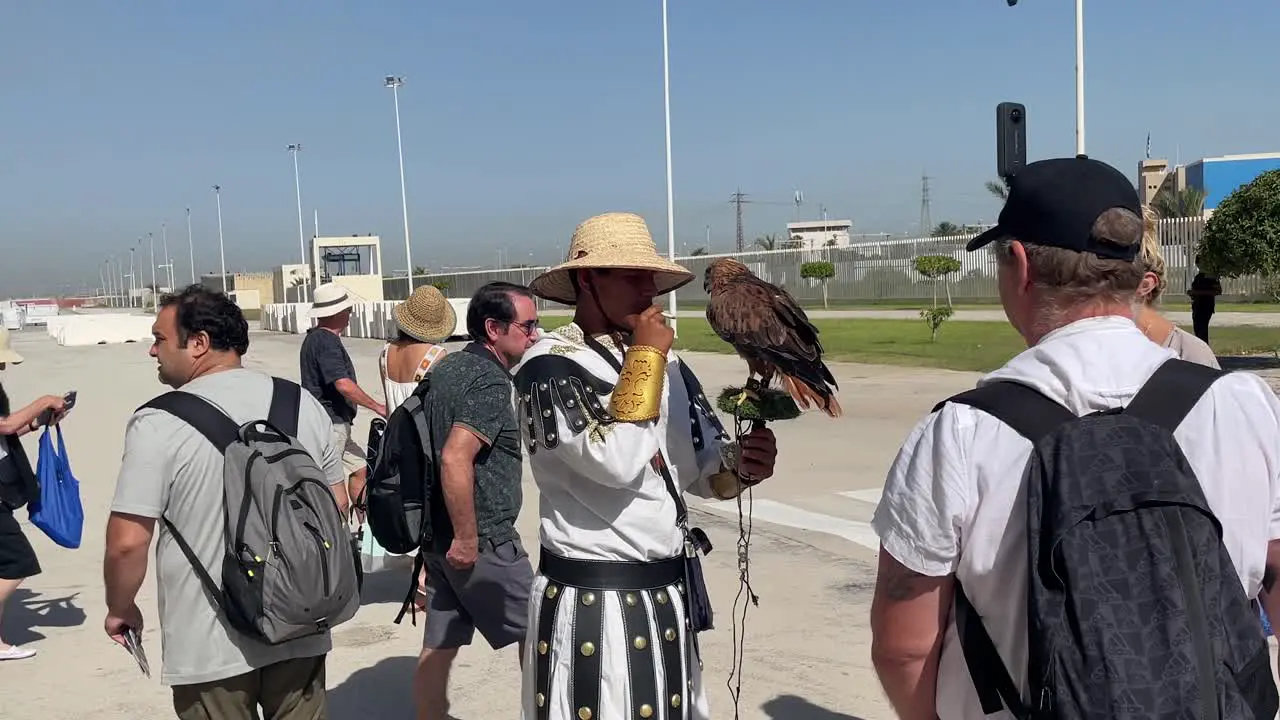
x=617, y=427
x=423, y=322
x=18, y=486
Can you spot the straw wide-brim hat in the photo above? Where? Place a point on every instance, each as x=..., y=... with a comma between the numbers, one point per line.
x=329, y=300
x=426, y=316
x=611, y=241
x=7, y=354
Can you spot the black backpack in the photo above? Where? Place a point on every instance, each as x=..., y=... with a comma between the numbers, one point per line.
x=1135, y=609
x=399, y=489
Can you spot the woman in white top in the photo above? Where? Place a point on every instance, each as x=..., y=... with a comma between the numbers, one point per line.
x=1148, y=319
x=423, y=322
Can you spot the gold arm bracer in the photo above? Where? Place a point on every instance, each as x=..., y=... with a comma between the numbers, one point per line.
x=638, y=394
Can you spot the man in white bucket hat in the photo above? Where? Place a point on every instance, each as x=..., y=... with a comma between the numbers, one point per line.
x=617, y=429
x=329, y=375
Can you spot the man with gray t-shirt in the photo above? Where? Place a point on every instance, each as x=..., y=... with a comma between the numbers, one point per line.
x=171, y=471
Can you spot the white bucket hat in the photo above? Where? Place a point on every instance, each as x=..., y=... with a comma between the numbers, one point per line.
x=329, y=300
x=7, y=354
x=609, y=241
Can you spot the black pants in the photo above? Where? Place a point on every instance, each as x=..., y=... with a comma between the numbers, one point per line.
x=1200, y=321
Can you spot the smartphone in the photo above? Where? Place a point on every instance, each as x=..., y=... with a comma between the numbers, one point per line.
x=69, y=400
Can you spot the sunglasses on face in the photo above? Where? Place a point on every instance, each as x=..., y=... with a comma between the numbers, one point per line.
x=529, y=327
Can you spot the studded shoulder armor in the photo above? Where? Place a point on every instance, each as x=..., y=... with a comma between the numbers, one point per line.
x=699, y=405
x=549, y=382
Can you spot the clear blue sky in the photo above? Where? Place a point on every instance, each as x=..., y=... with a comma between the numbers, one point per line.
x=522, y=118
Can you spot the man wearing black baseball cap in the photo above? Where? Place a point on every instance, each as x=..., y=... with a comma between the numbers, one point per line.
x=1057, y=202
x=953, y=511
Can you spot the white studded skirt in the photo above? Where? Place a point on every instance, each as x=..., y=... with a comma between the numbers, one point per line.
x=609, y=641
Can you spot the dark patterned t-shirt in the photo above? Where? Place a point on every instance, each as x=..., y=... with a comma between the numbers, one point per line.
x=472, y=390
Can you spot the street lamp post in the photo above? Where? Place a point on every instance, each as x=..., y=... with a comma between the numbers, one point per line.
x=1079, y=77
x=671, y=211
x=120, y=280
x=168, y=261
x=295, y=148
x=151, y=238
x=1079, y=74
x=222, y=252
x=132, y=278
x=191, y=248
x=394, y=83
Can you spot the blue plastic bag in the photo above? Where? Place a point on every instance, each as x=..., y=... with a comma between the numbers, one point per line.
x=57, y=511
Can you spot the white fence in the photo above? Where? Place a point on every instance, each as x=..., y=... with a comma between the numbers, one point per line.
x=368, y=319
x=869, y=272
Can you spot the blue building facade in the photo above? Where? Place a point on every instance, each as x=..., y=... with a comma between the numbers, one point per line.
x=1218, y=177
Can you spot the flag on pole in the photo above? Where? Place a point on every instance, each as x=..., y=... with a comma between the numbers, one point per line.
x=1148, y=146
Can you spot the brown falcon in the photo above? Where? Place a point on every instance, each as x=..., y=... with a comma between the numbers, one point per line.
x=771, y=332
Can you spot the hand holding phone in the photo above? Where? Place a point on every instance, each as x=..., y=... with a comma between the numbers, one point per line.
x=47, y=417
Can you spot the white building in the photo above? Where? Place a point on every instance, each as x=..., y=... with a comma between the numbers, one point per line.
x=817, y=234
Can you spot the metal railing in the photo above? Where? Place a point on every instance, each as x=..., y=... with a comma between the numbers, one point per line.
x=869, y=272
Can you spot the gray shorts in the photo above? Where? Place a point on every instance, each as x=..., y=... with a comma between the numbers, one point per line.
x=492, y=597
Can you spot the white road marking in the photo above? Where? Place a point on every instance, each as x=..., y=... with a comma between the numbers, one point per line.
x=867, y=496
x=782, y=514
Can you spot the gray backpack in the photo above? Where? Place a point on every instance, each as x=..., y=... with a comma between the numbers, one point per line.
x=287, y=571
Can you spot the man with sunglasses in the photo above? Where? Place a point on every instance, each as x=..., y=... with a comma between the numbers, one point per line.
x=478, y=574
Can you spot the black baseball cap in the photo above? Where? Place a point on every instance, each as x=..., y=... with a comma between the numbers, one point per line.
x=1056, y=202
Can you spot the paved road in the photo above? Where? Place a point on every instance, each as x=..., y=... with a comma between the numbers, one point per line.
x=1222, y=319
x=807, y=645
x=812, y=558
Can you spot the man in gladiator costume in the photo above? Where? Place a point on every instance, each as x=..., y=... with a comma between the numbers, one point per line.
x=617, y=429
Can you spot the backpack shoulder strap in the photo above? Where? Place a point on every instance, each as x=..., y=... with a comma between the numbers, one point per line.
x=1171, y=392
x=218, y=429
x=1019, y=406
x=200, y=414
x=286, y=403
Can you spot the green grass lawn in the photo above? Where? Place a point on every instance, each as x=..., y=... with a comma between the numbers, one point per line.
x=961, y=345
x=994, y=304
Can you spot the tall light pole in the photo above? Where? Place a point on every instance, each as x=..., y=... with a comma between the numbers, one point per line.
x=1079, y=77
x=295, y=148
x=151, y=238
x=394, y=83
x=168, y=261
x=132, y=278
x=1079, y=74
x=191, y=248
x=120, y=280
x=671, y=210
x=222, y=252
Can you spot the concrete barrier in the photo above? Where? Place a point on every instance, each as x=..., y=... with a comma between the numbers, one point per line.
x=77, y=330
x=368, y=319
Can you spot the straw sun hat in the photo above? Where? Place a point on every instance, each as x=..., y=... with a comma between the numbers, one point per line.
x=610, y=241
x=426, y=316
x=7, y=354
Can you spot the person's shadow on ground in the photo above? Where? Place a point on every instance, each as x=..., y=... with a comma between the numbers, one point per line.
x=793, y=707
x=384, y=690
x=27, y=610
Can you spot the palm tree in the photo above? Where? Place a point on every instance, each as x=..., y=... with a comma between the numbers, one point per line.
x=767, y=242
x=946, y=228
x=698, y=251
x=998, y=188
x=1187, y=202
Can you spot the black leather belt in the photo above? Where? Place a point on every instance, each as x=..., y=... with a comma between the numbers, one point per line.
x=611, y=574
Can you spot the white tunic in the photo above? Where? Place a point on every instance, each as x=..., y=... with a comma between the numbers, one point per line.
x=600, y=499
